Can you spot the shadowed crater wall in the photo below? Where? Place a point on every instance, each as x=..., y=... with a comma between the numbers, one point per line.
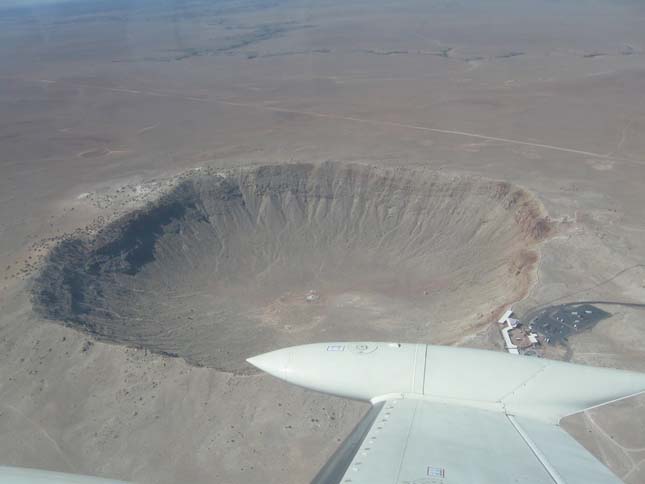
x=226, y=266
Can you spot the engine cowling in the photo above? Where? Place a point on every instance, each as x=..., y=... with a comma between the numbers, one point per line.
x=358, y=370
x=518, y=385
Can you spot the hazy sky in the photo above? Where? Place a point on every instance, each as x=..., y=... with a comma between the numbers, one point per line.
x=29, y=3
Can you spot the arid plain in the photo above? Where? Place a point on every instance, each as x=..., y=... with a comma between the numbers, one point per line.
x=186, y=184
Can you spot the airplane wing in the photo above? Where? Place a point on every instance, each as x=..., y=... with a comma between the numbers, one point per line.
x=444, y=415
x=21, y=475
x=412, y=441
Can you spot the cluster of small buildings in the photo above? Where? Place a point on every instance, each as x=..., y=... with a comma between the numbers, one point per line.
x=517, y=338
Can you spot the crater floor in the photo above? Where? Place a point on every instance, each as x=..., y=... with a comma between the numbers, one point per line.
x=229, y=265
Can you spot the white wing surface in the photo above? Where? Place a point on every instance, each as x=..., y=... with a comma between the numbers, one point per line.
x=413, y=441
x=21, y=475
x=445, y=415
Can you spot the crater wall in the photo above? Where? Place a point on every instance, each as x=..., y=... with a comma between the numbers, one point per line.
x=233, y=264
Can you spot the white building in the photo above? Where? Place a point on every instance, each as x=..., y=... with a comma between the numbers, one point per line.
x=505, y=316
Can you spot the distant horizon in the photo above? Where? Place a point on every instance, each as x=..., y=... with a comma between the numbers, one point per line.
x=38, y=3
x=27, y=4
x=33, y=3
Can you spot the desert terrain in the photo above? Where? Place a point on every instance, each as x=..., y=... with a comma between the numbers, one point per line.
x=187, y=184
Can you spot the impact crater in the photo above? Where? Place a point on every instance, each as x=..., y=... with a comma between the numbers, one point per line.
x=229, y=265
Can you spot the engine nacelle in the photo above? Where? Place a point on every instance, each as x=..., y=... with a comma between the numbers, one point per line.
x=358, y=370
x=517, y=385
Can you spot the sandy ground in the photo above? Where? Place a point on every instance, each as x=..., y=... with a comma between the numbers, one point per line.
x=101, y=108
